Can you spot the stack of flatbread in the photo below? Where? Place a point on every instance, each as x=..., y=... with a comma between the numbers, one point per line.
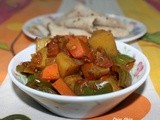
x=81, y=21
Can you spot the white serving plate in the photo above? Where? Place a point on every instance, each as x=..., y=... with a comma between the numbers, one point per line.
x=139, y=29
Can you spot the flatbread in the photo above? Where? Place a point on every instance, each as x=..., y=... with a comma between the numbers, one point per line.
x=46, y=21
x=117, y=32
x=55, y=29
x=92, y=23
x=84, y=18
x=85, y=23
x=39, y=30
x=81, y=20
x=80, y=11
x=108, y=21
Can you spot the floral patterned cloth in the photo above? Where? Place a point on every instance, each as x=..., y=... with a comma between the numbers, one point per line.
x=9, y=7
x=142, y=104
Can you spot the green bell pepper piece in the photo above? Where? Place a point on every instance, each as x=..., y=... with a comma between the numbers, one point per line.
x=125, y=60
x=124, y=77
x=92, y=87
x=40, y=85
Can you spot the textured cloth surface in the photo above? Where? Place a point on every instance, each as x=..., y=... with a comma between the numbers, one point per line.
x=142, y=104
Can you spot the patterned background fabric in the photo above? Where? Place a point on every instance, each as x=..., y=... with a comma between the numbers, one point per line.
x=13, y=13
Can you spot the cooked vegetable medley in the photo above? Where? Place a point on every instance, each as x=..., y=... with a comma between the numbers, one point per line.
x=77, y=65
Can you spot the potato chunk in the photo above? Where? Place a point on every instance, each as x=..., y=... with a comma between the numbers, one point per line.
x=104, y=39
x=66, y=65
x=41, y=43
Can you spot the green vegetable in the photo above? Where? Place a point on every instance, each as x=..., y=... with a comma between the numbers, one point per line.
x=122, y=59
x=114, y=82
x=41, y=85
x=153, y=37
x=71, y=80
x=92, y=87
x=124, y=77
x=31, y=77
x=26, y=67
x=39, y=58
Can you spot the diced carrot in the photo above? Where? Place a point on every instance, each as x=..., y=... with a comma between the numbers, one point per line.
x=62, y=87
x=50, y=72
x=77, y=47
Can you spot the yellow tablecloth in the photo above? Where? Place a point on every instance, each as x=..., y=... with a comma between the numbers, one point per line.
x=144, y=12
x=12, y=40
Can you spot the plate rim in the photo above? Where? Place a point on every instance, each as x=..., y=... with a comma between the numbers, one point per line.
x=133, y=20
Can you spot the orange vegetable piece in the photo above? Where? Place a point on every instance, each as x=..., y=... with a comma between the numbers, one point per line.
x=62, y=87
x=77, y=47
x=83, y=38
x=92, y=71
x=85, y=69
x=50, y=72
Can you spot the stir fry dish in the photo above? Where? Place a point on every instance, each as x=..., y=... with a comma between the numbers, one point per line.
x=76, y=65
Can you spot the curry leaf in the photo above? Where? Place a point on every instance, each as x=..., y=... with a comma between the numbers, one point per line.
x=152, y=37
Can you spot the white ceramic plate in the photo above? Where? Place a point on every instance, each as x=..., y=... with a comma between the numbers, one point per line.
x=139, y=29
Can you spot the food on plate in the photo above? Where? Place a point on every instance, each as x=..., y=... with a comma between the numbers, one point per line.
x=78, y=65
x=39, y=30
x=80, y=20
x=55, y=29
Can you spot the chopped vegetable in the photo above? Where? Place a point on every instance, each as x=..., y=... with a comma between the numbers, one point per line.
x=104, y=39
x=124, y=77
x=26, y=67
x=41, y=43
x=93, y=87
x=66, y=65
x=77, y=65
x=92, y=71
x=40, y=58
x=50, y=72
x=41, y=86
x=53, y=49
x=71, y=80
x=62, y=87
x=114, y=82
x=125, y=60
x=101, y=58
x=77, y=47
